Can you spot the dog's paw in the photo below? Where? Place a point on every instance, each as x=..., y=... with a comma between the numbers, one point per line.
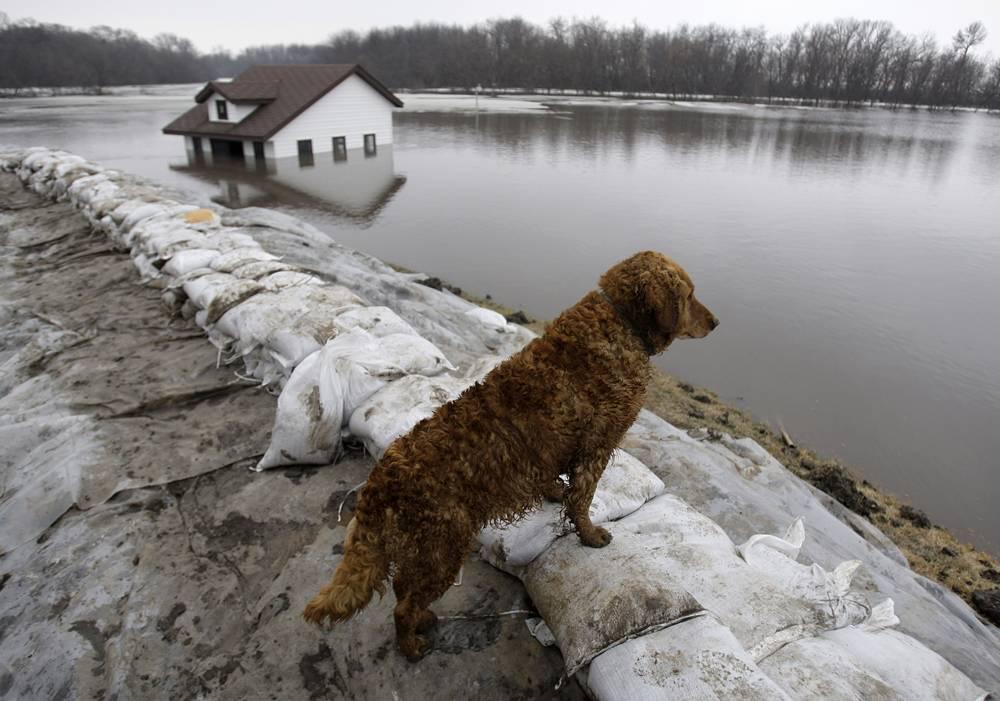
x=596, y=537
x=414, y=647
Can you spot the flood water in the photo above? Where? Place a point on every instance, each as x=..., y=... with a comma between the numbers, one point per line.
x=853, y=257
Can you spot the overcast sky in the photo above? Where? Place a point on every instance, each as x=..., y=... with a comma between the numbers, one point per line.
x=236, y=24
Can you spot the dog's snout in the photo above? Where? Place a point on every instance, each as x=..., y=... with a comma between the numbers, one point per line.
x=714, y=322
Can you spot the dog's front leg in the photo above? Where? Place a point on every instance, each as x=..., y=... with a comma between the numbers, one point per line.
x=582, y=485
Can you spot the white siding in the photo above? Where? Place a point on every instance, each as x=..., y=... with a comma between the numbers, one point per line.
x=236, y=113
x=352, y=109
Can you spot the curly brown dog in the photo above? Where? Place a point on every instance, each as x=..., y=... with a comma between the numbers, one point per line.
x=559, y=406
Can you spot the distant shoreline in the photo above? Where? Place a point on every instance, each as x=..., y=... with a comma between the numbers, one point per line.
x=542, y=95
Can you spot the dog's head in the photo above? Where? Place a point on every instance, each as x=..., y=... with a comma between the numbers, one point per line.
x=658, y=297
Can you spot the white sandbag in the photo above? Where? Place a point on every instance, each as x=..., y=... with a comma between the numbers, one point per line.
x=228, y=240
x=288, y=278
x=189, y=259
x=307, y=423
x=625, y=485
x=761, y=613
x=774, y=557
x=219, y=292
x=867, y=661
x=257, y=269
x=697, y=658
x=291, y=323
x=378, y=321
x=414, y=354
x=311, y=407
x=354, y=365
x=230, y=260
x=491, y=327
x=592, y=599
x=395, y=409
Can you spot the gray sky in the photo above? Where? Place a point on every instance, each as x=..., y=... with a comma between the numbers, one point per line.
x=236, y=24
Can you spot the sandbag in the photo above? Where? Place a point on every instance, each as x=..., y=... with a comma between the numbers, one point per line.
x=344, y=373
x=761, y=613
x=592, y=602
x=867, y=661
x=395, y=409
x=284, y=279
x=219, y=292
x=230, y=260
x=280, y=329
x=625, y=485
x=378, y=321
x=190, y=259
x=491, y=327
x=697, y=658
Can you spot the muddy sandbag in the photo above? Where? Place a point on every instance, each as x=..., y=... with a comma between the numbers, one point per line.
x=867, y=661
x=625, y=485
x=378, y=321
x=396, y=408
x=593, y=599
x=697, y=658
x=257, y=269
x=282, y=328
x=230, y=260
x=326, y=388
x=218, y=293
x=761, y=613
x=284, y=279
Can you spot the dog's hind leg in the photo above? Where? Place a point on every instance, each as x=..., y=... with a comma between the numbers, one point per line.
x=419, y=583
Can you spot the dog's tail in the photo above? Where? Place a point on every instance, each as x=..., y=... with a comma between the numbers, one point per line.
x=360, y=574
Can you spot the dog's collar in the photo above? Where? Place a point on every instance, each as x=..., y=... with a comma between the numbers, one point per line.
x=643, y=338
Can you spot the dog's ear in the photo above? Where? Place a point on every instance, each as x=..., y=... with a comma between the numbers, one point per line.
x=665, y=295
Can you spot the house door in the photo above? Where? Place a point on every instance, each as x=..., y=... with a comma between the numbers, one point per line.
x=199, y=151
x=226, y=150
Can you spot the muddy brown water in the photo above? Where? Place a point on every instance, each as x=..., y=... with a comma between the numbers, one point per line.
x=853, y=257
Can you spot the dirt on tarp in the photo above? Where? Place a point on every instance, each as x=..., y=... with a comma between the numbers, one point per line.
x=171, y=570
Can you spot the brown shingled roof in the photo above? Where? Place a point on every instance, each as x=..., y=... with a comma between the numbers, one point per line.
x=242, y=91
x=285, y=91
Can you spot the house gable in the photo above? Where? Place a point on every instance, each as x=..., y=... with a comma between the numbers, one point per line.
x=351, y=110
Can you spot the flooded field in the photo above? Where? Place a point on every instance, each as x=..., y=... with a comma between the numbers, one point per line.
x=853, y=257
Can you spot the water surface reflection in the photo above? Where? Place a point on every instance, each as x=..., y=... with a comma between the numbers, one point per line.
x=356, y=189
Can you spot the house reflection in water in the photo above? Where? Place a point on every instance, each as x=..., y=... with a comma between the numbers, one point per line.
x=353, y=184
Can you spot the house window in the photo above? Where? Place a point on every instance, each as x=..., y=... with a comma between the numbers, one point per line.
x=306, y=152
x=369, y=144
x=340, y=148
x=199, y=150
x=220, y=109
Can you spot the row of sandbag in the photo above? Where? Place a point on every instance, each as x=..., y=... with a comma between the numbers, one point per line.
x=672, y=608
x=285, y=325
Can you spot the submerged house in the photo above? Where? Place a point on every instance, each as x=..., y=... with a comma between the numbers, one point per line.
x=284, y=111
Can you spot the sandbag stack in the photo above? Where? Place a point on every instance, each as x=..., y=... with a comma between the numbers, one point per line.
x=285, y=325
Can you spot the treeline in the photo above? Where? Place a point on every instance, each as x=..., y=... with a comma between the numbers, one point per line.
x=848, y=61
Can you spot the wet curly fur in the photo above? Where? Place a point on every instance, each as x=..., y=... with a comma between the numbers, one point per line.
x=559, y=406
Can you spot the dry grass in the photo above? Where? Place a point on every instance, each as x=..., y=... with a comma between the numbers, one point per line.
x=931, y=550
